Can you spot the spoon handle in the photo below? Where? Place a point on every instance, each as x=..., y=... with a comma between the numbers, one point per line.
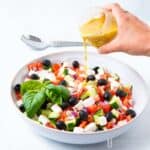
x=64, y=43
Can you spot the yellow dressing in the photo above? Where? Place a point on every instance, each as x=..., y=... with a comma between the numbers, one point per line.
x=94, y=33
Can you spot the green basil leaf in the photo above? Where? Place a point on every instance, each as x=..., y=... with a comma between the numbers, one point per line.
x=32, y=101
x=57, y=94
x=30, y=85
x=64, y=92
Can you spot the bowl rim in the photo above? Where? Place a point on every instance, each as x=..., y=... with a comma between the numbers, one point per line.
x=66, y=50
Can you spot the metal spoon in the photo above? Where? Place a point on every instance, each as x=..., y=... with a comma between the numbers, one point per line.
x=37, y=44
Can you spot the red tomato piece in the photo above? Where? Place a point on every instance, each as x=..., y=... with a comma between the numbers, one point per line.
x=83, y=124
x=110, y=125
x=106, y=107
x=122, y=116
x=49, y=125
x=18, y=95
x=55, y=68
x=93, y=109
x=39, y=66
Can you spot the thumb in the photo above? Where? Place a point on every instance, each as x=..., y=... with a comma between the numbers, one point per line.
x=112, y=46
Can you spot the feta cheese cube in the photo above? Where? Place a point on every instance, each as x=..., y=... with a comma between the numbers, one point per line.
x=70, y=80
x=88, y=102
x=115, y=113
x=56, y=108
x=91, y=127
x=101, y=120
x=71, y=90
x=66, y=64
x=89, y=72
x=32, y=72
x=121, y=123
x=43, y=119
x=78, y=130
x=44, y=74
x=79, y=105
x=71, y=72
x=113, y=83
x=101, y=71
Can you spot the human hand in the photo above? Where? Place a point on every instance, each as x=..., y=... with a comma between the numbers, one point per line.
x=133, y=35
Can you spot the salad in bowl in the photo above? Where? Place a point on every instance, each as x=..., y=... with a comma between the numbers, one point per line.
x=66, y=96
x=62, y=99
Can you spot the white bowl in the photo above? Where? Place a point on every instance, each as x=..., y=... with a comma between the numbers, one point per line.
x=127, y=74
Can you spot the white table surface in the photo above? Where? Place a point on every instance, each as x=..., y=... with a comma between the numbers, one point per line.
x=19, y=17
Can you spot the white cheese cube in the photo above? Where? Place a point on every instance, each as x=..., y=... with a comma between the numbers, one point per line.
x=56, y=108
x=79, y=105
x=115, y=113
x=32, y=72
x=78, y=130
x=44, y=74
x=61, y=70
x=43, y=119
x=101, y=71
x=91, y=127
x=113, y=83
x=66, y=64
x=101, y=120
x=71, y=72
x=89, y=72
x=88, y=102
x=70, y=80
x=97, y=76
x=122, y=123
x=71, y=89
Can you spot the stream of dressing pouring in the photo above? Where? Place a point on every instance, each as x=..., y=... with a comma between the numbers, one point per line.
x=97, y=30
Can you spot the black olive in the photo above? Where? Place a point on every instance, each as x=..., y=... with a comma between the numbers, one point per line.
x=63, y=82
x=101, y=82
x=107, y=96
x=60, y=125
x=96, y=69
x=75, y=64
x=131, y=112
x=17, y=87
x=83, y=114
x=65, y=105
x=22, y=108
x=34, y=76
x=46, y=63
x=72, y=101
x=109, y=116
x=90, y=77
x=121, y=93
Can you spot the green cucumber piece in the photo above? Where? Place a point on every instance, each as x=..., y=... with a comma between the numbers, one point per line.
x=115, y=102
x=65, y=72
x=99, y=113
x=53, y=115
x=45, y=112
x=115, y=113
x=70, y=124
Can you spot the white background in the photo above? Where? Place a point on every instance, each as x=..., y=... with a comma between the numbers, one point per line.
x=54, y=19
